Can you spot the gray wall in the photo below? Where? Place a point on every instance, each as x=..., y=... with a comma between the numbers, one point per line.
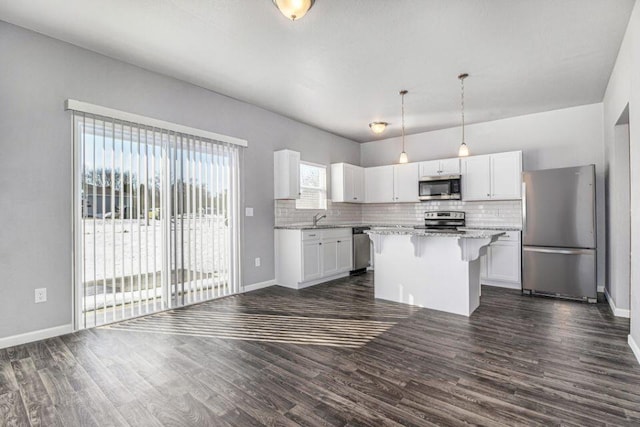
x=37, y=74
x=624, y=90
x=553, y=139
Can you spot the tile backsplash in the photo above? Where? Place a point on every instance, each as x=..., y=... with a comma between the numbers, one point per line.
x=286, y=213
x=490, y=213
x=498, y=213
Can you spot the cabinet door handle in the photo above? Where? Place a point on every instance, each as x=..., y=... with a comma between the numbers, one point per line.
x=338, y=241
x=320, y=243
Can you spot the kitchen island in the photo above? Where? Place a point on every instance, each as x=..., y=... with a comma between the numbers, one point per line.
x=437, y=270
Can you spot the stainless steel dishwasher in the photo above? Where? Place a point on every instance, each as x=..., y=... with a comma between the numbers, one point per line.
x=361, y=250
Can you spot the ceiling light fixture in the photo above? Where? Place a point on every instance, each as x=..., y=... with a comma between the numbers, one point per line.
x=293, y=9
x=378, y=127
x=463, y=151
x=403, y=155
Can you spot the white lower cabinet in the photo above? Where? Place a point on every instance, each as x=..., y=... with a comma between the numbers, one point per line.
x=329, y=257
x=311, y=265
x=309, y=257
x=501, y=266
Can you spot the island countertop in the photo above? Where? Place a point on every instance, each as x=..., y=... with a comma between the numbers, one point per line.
x=471, y=234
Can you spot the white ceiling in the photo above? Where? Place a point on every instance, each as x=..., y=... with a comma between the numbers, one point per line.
x=342, y=65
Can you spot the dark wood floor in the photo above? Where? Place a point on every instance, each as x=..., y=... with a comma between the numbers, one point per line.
x=332, y=355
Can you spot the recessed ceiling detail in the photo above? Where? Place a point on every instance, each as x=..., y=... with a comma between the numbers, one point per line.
x=326, y=70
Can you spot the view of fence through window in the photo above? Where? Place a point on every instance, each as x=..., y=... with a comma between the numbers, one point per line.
x=158, y=219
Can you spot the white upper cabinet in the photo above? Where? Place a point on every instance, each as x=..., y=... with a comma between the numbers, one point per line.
x=379, y=184
x=492, y=176
x=476, y=178
x=450, y=166
x=430, y=168
x=405, y=182
x=506, y=175
x=286, y=174
x=347, y=183
x=440, y=167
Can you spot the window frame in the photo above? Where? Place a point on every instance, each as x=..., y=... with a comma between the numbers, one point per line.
x=324, y=190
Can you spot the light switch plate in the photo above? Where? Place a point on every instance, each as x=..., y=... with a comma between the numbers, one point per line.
x=248, y=211
x=257, y=262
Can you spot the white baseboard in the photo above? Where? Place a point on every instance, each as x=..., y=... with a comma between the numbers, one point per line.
x=618, y=312
x=38, y=335
x=634, y=347
x=508, y=285
x=260, y=285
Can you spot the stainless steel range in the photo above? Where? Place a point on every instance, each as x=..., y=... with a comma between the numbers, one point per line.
x=443, y=221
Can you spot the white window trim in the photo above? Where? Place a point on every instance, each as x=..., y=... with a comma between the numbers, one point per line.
x=326, y=187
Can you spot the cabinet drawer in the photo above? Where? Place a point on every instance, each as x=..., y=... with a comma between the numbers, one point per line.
x=510, y=236
x=311, y=234
x=337, y=233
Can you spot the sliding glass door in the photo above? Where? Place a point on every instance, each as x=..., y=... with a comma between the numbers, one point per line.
x=156, y=219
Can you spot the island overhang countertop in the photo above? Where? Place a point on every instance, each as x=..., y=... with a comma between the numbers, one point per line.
x=464, y=234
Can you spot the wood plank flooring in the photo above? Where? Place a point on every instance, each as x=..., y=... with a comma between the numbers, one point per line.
x=332, y=355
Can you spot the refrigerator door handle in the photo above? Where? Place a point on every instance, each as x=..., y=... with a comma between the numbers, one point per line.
x=558, y=251
x=524, y=207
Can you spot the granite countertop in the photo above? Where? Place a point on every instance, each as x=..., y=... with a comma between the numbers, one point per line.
x=328, y=225
x=398, y=231
x=492, y=227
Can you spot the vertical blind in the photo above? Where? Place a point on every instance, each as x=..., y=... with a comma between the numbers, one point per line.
x=157, y=219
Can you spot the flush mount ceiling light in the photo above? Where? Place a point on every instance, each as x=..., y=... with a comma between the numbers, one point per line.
x=378, y=127
x=293, y=9
x=403, y=155
x=463, y=151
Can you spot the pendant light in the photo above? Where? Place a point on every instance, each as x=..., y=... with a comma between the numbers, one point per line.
x=463, y=151
x=378, y=127
x=403, y=155
x=294, y=9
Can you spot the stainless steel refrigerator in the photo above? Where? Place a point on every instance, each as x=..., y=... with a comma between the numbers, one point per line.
x=559, y=232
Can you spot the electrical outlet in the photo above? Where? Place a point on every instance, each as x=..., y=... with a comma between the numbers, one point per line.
x=41, y=295
x=257, y=262
x=248, y=211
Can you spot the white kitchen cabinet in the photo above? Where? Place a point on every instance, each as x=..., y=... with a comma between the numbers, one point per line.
x=329, y=257
x=476, y=178
x=347, y=183
x=506, y=175
x=309, y=257
x=311, y=261
x=405, y=183
x=440, y=167
x=430, y=168
x=379, y=184
x=450, y=166
x=492, y=176
x=501, y=266
x=345, y=254
x=286, y=174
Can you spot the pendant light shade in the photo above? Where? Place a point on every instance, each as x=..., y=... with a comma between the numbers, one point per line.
x=463, y=151
x=403, y=155
x=294, y=9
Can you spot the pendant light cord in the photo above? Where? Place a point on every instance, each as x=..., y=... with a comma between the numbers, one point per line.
x=462, y=104
x=403, y=122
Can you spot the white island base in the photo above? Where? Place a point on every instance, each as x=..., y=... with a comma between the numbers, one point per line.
x=428, y=269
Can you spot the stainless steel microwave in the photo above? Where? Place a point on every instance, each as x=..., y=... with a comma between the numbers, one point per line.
x=439, y=187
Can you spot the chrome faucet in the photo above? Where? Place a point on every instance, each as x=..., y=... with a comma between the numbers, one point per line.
x=317, y=218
